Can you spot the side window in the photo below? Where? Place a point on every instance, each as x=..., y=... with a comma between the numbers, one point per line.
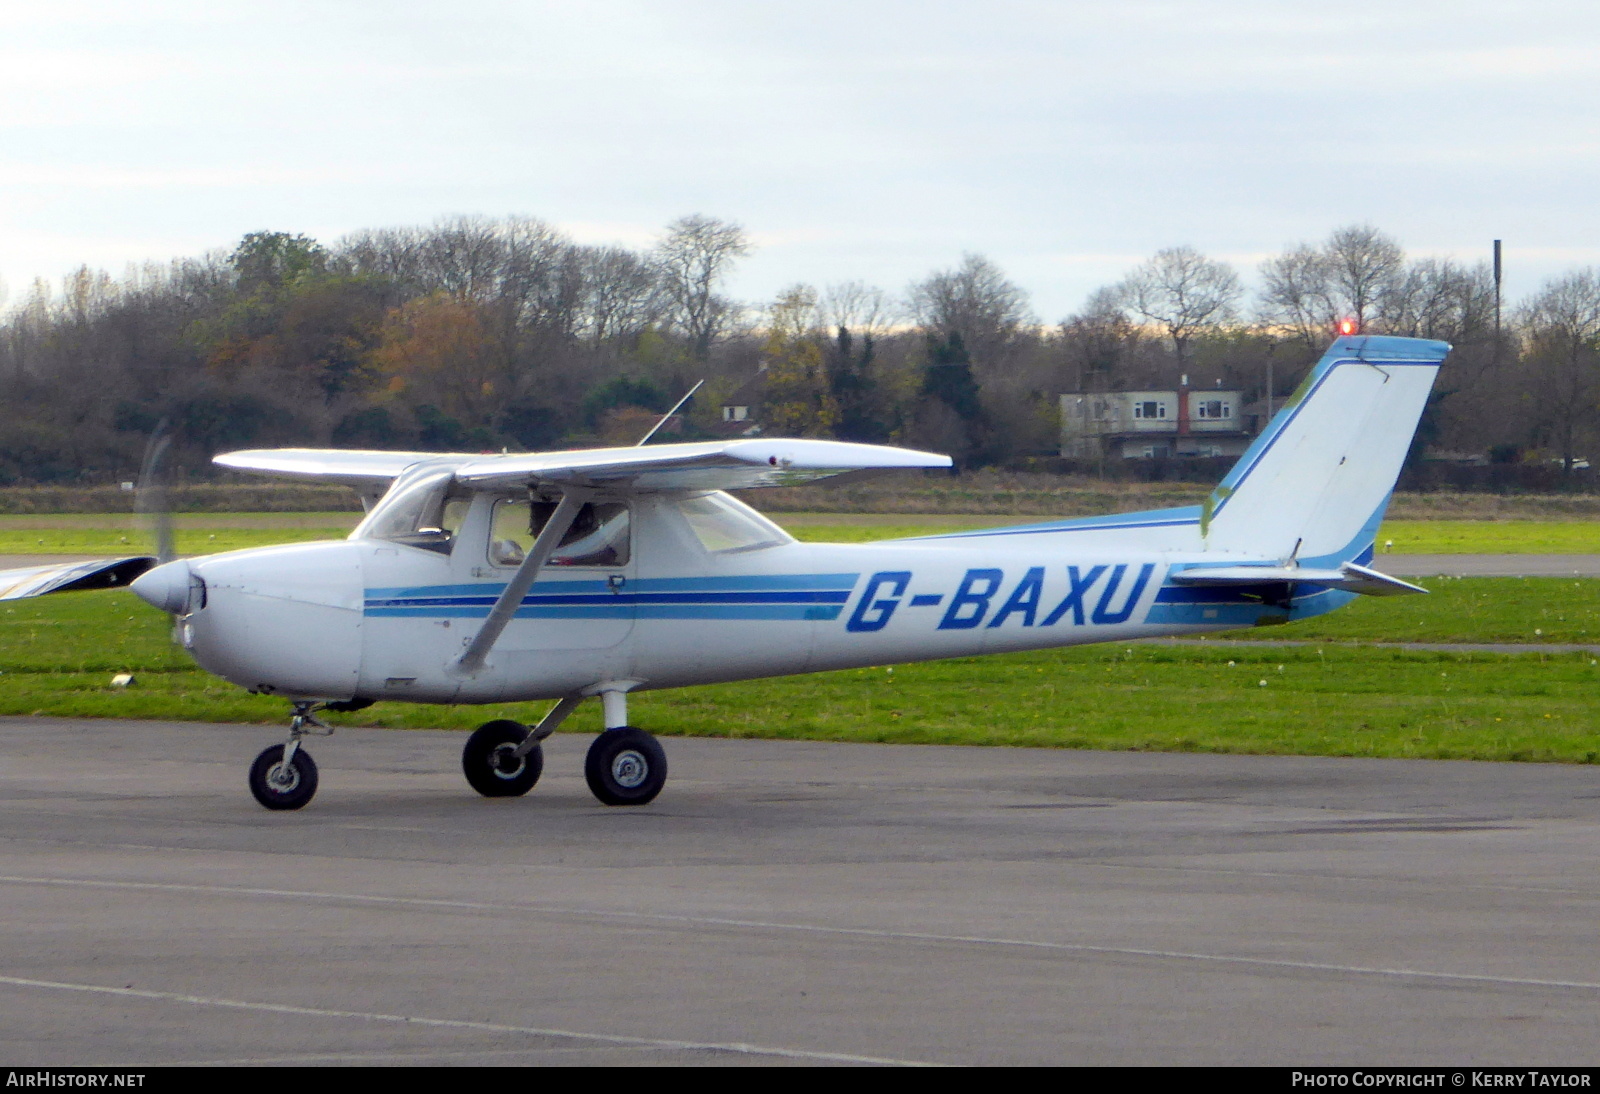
x=722, y=524
x=598, y=536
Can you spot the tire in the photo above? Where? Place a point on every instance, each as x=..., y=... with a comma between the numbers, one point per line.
x=625, y=766
x=277, y=789
x=487, y=762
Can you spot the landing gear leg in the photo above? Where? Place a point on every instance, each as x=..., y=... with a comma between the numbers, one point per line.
x=625, y=765
x=284, y=776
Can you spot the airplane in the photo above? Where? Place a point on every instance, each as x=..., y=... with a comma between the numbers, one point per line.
x=604, y=572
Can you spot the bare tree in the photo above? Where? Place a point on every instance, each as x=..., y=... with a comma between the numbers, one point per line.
x=1294, y=294
x=694, y=258
x=1363, y=266
x=1563, y=359
x=1183, y=292
x=1097, y=341
x=1441, y=299
x=976, y=306
x=463, y=257
x=1352, y=276
x=859, y=308
x=394, y=255
x=623, y=293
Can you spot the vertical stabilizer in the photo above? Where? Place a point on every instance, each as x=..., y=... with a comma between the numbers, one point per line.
x=1315, y=484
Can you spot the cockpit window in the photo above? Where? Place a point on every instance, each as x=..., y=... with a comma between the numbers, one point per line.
x=723, y=524
x=598, y=536
x=421, y=512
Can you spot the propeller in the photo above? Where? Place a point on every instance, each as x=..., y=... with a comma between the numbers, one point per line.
x=151, y=499
x=169, y=585
x=171, y=591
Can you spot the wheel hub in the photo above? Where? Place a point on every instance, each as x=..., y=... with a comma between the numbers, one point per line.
x=630, y=769
x=505, y=761
x=282, y=777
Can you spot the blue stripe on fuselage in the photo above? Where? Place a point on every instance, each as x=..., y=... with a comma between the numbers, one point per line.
x=761, y=596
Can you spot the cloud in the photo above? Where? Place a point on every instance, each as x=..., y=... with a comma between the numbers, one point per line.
x=1066, y=140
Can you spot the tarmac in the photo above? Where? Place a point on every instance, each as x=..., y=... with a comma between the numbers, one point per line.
x=1489, y=565
x=789, y=903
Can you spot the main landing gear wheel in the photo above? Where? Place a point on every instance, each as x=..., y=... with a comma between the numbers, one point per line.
x=491, y=764
x=278, y=785
x=625, y=767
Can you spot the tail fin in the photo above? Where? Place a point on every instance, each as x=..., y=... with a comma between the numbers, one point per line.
x=1315, y=484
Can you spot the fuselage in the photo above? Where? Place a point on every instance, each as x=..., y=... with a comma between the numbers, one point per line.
x=689, y=599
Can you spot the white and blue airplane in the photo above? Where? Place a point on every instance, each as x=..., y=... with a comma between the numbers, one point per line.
x=599, y=573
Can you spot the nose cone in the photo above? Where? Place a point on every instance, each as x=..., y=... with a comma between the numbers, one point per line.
x=165, y=587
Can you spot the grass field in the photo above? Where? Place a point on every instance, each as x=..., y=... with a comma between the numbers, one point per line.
x=193, y=533
x=57, y=656
x=1469, y=609
x=204, y=533
x=1417, y=537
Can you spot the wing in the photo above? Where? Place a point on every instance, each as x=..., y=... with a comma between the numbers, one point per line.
x=365, y=470
x=67, y=577
x=711, y=465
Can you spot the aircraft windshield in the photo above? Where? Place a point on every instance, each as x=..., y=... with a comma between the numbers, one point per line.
x=723, y=524
x=422, y=512
x=598, y=536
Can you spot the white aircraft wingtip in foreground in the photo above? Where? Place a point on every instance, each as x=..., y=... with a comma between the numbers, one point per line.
x=568, y=575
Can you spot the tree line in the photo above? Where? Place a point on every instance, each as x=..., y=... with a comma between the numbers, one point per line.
x=478, y=334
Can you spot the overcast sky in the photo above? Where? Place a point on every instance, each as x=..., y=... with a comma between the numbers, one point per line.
x=871, y=139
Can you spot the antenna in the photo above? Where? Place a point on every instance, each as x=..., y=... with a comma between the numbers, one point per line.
x=668, y=415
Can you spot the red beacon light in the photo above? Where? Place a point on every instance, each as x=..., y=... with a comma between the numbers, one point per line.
x=1349, y=326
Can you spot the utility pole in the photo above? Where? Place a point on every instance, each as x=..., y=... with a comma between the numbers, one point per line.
x=1270, y=347
x=1496, y=358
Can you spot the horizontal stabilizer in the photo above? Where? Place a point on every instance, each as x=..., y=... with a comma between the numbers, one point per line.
x=69, y=577
x=1349, y=577
x=1373, y=583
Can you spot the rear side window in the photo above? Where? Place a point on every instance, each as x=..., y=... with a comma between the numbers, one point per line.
x=722, y=524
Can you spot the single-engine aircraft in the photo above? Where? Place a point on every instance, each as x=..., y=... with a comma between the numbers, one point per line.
x=599, y=573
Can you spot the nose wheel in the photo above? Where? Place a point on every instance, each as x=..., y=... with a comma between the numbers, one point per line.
x=283, y=782
x=285, y=776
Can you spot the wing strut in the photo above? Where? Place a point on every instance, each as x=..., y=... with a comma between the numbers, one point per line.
x=544, y=545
